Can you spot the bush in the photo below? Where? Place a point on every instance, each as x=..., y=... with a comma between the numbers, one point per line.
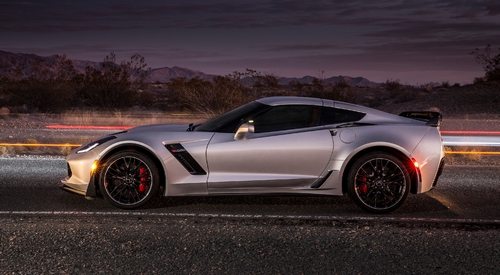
x=490, y=62
x=112, y=85
x=210, y=97
x=392, y=85
x=57, y=86
x=40, y=95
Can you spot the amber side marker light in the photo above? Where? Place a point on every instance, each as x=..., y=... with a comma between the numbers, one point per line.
x=94, y=166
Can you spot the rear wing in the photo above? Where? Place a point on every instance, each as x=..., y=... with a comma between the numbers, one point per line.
x=431, y=118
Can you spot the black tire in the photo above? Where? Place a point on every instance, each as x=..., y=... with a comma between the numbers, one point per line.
x=378, y=182
x=129, y=179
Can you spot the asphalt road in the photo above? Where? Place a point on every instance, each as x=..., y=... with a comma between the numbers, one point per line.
x=455, y=228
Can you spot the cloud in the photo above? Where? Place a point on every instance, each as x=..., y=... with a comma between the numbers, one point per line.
x=111, y=15
x=355, y=35
x=302, y=47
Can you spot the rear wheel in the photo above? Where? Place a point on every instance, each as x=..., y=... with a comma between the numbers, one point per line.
x=379, y=182
x=129, y=179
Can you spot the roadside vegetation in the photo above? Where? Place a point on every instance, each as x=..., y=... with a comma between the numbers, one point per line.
x=117, y=93
x=120, y=86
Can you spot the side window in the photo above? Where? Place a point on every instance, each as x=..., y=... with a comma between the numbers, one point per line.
x=334, y=116
x=287, y=117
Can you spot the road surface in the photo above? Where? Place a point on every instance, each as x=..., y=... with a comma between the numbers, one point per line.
x=455, y=228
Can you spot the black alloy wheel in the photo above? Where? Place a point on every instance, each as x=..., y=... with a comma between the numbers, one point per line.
x=379, y=182
x=129, y=179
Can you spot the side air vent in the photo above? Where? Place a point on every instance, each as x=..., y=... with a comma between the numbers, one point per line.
x=183, y=156
x=320, y=181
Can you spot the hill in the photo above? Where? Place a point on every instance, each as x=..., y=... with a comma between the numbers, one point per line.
x=22, y=65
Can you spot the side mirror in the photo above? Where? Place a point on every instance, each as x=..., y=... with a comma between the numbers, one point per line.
x=243, y=131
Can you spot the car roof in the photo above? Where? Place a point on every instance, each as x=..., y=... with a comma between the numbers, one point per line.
x=297, y=100
x=372, y=114
x=290, y=100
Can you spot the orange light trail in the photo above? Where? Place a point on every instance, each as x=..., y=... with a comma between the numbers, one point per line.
x=472, y=153
x=86, y=127
x=78, y=145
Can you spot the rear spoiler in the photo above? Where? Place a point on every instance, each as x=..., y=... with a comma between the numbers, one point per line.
x=431, y=118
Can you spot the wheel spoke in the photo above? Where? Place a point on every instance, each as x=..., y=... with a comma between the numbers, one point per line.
x=124, y=176
x=385, y=183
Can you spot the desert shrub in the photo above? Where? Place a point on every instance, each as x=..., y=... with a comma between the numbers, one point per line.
x=258, y=84
x=392, y=85
x=340, y=91
x=210, y=97
x=428, y=87
x=405, y=96
x=479, y=80
x=490, y=62
x=59, y=86
x=106, y=87
x=112, y=85
x=147, y=99
x=40, y=95
x=445, y=84
x=45, y=89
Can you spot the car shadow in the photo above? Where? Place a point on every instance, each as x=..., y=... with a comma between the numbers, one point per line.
x=421, y=205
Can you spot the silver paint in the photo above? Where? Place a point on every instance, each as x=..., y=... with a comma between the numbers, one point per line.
x=275, y=162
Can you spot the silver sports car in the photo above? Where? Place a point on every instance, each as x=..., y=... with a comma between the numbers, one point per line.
x=274, y=145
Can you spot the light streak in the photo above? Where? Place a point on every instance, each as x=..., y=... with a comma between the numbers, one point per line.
x=86, y=127
x=471, y=141
x=472, y=153
x=40, y=145
x=483, y=133
x=121, y=127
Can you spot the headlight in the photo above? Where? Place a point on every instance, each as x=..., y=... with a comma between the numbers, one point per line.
x=94, y=144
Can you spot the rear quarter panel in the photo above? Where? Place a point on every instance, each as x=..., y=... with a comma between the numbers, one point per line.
x=349, y=142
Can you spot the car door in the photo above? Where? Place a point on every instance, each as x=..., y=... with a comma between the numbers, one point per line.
x=287, y=150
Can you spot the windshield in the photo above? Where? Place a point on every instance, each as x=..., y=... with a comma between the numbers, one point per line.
x=228, y=122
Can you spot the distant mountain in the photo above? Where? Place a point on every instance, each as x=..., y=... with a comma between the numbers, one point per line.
x=25, y=65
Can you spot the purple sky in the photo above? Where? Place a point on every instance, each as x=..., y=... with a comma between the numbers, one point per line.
x=413, y=41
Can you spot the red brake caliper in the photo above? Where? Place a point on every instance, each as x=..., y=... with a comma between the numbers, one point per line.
x=143, y=175
x=362, y=187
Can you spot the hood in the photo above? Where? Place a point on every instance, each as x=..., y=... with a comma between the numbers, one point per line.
x=160, y=128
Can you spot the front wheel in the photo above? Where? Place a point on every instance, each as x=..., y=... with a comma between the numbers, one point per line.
x=379, y=182
x=129, y=179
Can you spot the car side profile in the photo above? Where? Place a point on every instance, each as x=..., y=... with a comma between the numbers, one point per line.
x=274, y=145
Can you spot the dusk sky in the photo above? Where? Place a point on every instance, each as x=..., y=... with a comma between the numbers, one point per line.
x=412, y=41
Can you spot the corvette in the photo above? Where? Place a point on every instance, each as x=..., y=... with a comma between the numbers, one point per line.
x=274, y=145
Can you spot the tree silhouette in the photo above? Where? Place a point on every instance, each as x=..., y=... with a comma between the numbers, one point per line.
x=490, y=62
